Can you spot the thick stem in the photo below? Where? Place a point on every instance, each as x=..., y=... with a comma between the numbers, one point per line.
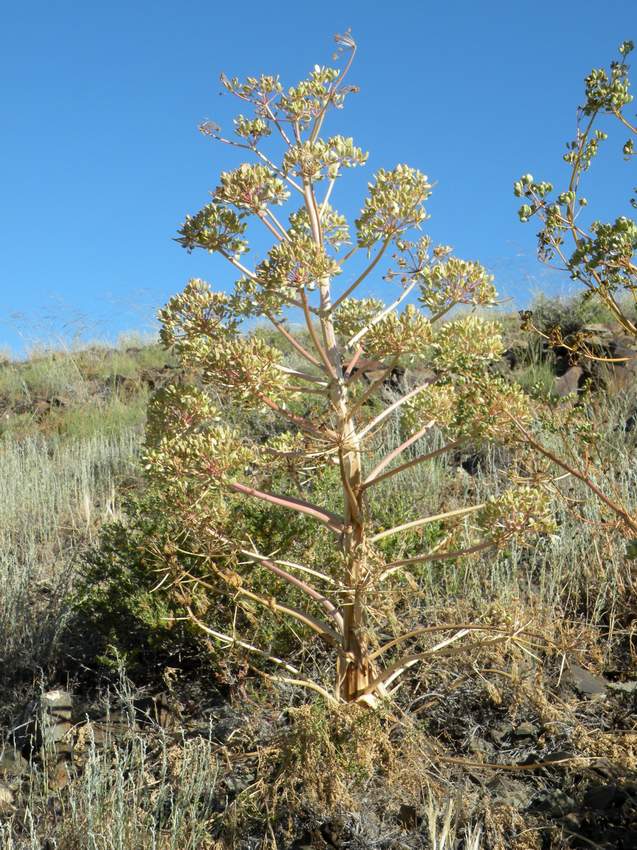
x=354, y=669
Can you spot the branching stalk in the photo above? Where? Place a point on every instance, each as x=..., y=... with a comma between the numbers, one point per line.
x=418, y=523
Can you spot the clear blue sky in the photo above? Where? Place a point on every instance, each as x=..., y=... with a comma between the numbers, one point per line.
x=100, y=157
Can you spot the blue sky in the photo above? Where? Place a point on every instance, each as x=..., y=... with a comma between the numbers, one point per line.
x=100, y=157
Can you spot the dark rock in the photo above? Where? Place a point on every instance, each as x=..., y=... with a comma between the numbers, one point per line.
x=159, y=710
x=114, y=726
x=56, y=709
x=408, y=818
x=44, y=734
x=419, y=377
x=225, y=727
x=473, y=463
x=121, y=384
x=601, y=797
x=598, y=335
x=479, y=746
x=510, y=357
x=585, y=683
x=40, y=408
x=12, y=765
x=554, y=802
x=45, y=722
x=156, y=379
x=237, y=782
x=511, y=792
x=556, y=757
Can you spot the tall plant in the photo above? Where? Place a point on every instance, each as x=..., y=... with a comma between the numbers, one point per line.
x=329, y=419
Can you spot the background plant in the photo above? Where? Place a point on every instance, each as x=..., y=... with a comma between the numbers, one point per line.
x=601, y=257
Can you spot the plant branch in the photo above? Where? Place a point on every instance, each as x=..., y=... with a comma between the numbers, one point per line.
x=239, y=266
x=392, y=407
x=370, y=268
x=233, y=641
x=332, y=521
x=293, y=341
x=317, y=342
x=374, y=478
x=443, y=627
x=418, y=523
x=304, y=376
x=318, y=121
x=352, y=363
x=395, y=566
x=310, y=591
x=270, y=225
x=625, y=121
x=299, y=421
x=278, y=125
x=403, y=664
x=619, y=510
x=381, y=315
x=299, y=683
x=374, y=385
x=392, y=455
x=322, y=629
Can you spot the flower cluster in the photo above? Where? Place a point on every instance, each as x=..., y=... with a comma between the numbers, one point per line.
x=201, y=326
x=186, y=442
x=333, y=224
x=451, y=281
x=609, y=93
x=257, y=90
x=251, y=129
x=244, y=368
x=196, y=312
x=177, y=411
x=314, y=160
x=251, y=187
x=434, y=403
x=514, y=514
x=394, y=205
x=476, y=408
x=484, y=407
x=354, y=314
x=294, y=264
x=602, y=258
x=214, y=228
x=406, y=335
x=412, y=257
x=467, y=344
x=610, y=250
x=307, y=100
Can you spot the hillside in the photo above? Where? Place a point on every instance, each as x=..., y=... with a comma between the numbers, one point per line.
x=123, y=728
